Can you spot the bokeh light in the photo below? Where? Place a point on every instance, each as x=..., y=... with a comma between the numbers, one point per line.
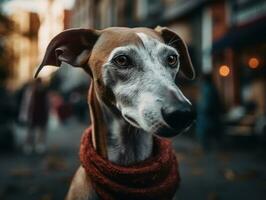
x=224, y=70
x=253, y=63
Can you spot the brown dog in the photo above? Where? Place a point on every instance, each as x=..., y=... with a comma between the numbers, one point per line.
x=133, y=99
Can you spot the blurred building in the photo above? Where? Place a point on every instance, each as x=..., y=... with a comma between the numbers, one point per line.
x=239, y=42
x=98, y=14
x=83, y=13
x=36, y=23
x=238, y=49
x=52, y=23
x=24, y=46
x=6, y=56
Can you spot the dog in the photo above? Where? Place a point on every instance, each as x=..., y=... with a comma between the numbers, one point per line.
x=133, y=96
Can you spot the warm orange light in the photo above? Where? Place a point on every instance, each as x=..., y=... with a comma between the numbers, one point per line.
x=224, y=70
x=253, y=63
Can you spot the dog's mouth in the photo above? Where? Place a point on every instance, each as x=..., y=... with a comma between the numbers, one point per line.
x=162, y=128
x=131, y=121
x=168, y=131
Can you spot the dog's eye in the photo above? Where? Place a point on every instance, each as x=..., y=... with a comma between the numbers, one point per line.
x=122, y=60
x=172, y=60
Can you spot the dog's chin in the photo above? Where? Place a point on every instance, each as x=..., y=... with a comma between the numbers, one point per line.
x=167, y=131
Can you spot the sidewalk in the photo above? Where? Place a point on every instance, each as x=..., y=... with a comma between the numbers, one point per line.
x=232, y=174
x=42, y=177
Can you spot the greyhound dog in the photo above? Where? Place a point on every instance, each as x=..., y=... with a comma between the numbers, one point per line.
x=133, y=95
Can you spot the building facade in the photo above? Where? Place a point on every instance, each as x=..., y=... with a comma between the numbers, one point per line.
x=34, y=28
x=24, y=46
x=240, y=45
x=52, y=22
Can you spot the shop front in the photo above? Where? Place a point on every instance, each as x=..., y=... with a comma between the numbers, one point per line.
x=239, y=61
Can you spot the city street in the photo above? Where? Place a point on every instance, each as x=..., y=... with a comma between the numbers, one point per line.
x=160, y=64
x=44, y=177
x=229, y=174
x=234, y=173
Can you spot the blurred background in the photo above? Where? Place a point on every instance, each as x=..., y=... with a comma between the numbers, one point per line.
x=41, y=121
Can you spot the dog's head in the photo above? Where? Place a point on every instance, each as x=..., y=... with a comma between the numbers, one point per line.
x=134, y=70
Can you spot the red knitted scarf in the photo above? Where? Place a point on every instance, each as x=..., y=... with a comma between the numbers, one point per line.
x=156, y=178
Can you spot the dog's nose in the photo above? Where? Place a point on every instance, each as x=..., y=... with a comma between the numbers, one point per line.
x=180, y=118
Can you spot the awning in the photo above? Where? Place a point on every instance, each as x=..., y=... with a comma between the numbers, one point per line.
x=246, y=35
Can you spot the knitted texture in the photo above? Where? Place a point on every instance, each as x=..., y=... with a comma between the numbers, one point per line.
x=156, y=178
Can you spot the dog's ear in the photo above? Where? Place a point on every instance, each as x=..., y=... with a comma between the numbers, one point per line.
x=174, y=40
x=71, y=46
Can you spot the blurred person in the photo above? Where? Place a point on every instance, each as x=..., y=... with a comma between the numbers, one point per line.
x=64, y=111
x=35, y=108
x=23, y=96
x=7, y=112
x=257, y=96
x=80, y=106
x=208, y=110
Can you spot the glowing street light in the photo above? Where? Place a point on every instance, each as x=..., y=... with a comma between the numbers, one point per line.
x=253, y=63
x=224, y=70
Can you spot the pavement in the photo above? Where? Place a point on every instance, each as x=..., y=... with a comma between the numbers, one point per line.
x=42, y=177
x=229, y=172
x=234, y=172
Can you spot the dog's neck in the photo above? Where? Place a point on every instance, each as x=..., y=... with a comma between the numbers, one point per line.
x=115, y=138
x=125, y=144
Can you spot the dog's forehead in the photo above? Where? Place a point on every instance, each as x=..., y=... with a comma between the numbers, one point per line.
x=114, y=37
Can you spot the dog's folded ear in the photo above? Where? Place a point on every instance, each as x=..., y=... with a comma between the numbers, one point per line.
x=174, y=40
x=71, y=46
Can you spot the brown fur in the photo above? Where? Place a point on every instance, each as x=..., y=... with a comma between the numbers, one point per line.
x=80, y=188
